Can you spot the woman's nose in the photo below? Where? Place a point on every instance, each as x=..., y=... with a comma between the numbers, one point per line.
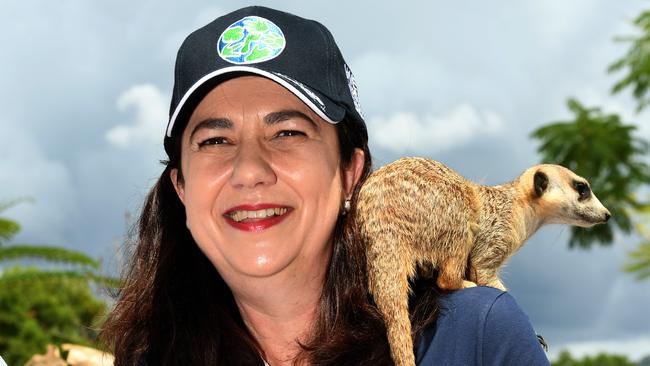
x=251, y=168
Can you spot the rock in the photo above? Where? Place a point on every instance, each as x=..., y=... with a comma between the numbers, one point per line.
x=86, y=356
x=51, y=358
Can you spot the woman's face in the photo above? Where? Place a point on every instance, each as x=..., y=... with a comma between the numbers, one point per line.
x=262, y=180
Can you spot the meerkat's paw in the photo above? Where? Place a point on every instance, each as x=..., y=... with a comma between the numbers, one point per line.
x=542, y=342
x=468, y=284
x=496, y=283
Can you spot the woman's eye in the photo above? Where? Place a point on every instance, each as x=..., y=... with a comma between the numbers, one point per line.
x=213, y=141
x=288, y=133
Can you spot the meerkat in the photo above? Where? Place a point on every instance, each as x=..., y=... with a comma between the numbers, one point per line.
x=418, y=212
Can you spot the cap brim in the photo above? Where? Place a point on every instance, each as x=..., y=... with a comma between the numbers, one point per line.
x=316, y=101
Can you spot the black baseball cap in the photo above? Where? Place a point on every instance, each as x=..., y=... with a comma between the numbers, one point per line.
x=297, y=53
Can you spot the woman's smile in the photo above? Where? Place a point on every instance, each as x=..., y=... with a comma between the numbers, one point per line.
x=256, y=217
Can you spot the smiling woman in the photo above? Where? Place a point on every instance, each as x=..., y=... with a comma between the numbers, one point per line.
x=246, y=253
x=243, y=253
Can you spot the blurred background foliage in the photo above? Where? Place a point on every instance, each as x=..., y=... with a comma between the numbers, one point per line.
x=53, y=302
x=602, y=359
x=41, y=311
x=635, y=63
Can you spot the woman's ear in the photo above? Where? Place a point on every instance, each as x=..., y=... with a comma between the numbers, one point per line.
x=352, y=173
x=178, y=186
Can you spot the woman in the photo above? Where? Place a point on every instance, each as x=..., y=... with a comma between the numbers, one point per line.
x=244, y=254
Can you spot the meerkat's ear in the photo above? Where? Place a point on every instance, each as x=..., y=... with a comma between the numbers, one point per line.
x=540, y=183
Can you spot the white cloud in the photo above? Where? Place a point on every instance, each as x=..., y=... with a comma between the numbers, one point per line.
x=151, y=107
x=634, y=348
x=405, y=131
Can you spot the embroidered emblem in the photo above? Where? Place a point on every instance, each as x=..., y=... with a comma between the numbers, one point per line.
x=352, y=84
x=250, y=40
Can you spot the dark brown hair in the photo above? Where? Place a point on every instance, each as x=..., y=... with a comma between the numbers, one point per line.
x=175, y=309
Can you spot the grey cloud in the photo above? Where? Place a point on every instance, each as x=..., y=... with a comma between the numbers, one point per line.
x=27, y=172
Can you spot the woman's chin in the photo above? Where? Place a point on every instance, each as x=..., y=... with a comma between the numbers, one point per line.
x=261, y=265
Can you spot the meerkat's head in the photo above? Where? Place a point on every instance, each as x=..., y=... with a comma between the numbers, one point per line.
x=562, y=197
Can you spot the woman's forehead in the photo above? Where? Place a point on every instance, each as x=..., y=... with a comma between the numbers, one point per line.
x=248, y=94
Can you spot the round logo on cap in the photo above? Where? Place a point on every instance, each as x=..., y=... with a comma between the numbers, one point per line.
x=250, y=40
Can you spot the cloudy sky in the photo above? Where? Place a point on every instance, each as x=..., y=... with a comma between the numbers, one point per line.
x=85, y=88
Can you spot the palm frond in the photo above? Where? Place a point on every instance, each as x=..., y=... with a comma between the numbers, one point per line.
x=639, y=262
x=635, y=63
x=53, y=254
x=8, y=228
x=4, y=205
x=14, y=276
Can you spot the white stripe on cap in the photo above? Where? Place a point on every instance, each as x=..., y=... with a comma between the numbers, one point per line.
x=252, y=70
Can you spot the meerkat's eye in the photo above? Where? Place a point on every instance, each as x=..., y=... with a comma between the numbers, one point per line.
x=583, y=189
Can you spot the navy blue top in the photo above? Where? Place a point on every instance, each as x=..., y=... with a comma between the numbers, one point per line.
x=480, y=326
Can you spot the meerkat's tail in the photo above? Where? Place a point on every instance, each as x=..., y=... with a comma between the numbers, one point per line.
x=388, y=283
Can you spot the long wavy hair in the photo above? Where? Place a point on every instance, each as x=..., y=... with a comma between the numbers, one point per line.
x=175, y=309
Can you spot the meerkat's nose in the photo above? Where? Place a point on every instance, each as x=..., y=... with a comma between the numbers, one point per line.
x=607, y=216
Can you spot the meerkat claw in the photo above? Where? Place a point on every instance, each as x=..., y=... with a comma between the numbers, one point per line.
x=468, y=284
x=542, y=342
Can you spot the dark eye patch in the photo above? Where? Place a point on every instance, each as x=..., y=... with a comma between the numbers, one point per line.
x=582, y=188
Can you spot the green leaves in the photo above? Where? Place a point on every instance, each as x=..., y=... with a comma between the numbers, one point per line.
x=84, y=265
x=35, y=276
x=639, y=260
x=636, y=63
x=39, y=309
x=604, y=150
x=602, y=359
x=8, y=228
x=52, y=254
x=51, y=304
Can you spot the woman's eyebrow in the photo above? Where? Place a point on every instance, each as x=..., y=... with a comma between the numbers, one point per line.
x=269, y=119
x=275, y=117
x=212, y=123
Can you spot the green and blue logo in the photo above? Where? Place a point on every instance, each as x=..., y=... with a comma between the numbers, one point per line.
x=250, y=40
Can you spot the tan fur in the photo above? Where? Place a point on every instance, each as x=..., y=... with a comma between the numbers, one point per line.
x=416, y=211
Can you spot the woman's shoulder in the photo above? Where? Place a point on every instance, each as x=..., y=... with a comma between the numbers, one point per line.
x=476, y=310
x=475, y=299
x=480, y=326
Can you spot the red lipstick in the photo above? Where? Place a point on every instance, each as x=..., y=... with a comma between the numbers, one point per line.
x=255, y=224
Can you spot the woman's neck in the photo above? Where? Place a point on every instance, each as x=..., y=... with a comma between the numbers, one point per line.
x=279, y=335
x=280, y=311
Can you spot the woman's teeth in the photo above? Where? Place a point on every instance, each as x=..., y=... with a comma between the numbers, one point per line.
x=259, y=214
